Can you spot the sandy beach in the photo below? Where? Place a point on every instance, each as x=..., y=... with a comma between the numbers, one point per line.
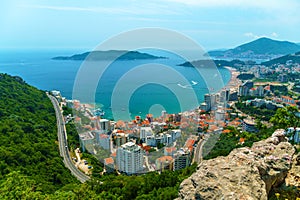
x=234, y=82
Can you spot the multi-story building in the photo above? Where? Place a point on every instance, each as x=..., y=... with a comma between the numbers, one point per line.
x=130, y=158
x=104, y=141
x=233, y=96
x=145, y=132
x=164, y=162
x=85, y=139
x=151, y=141
x=104, y=126
x=181, y=159
x=207, y=101
x=260, y=91
x=121, y=138
x=169, y=151
x=175, y=133
x=109, y=165
x=204, y=106
x=220, y=114
x=245, y=88
x=225, y=93
x=249, y=125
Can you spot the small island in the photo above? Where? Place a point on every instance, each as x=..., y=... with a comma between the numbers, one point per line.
x=110, y=55
x=218, y=63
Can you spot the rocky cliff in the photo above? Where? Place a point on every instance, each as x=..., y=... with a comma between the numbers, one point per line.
x=246, y=173
x=293, y=177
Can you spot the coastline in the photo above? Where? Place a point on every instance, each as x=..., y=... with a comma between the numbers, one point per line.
x=234, y=82
x=232, y=85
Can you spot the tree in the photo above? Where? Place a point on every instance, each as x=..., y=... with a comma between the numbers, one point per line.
x=286, y=117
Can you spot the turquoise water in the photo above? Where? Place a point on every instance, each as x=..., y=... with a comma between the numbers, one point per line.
x=37, y=69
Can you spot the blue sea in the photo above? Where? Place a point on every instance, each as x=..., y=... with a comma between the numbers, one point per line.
x=38, y=69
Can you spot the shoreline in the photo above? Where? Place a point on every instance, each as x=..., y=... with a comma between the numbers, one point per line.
x=234, y=82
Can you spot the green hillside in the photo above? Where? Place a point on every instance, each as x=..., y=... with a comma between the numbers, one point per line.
x=28, y=135
x=261, y=46
x=294, y=58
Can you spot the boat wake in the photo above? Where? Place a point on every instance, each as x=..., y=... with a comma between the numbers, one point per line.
x=189, y=86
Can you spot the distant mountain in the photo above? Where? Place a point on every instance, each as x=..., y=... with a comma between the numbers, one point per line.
x=293, y=58
x=110, y=55
x=262, y=48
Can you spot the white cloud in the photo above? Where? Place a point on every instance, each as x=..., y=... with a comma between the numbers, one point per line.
x=233, y=3
x=251, y=35
x=108, y=10
x=255, y=36
x=275, y=35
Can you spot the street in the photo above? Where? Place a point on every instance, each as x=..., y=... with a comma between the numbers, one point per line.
x=63, y=144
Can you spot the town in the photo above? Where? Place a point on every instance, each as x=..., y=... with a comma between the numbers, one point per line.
x=175, y=141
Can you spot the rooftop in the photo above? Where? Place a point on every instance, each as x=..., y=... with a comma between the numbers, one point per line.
x=86, y=136
x=130, y=146
x=249, y=121
x=103, y=136
x=165, y=159
x=108, y=161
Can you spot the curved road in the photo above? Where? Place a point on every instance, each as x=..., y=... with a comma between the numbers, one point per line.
x=63, y=144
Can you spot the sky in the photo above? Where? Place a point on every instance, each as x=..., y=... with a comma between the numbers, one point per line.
x=214, y=24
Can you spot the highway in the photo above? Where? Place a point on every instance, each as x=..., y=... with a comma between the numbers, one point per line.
x=63, y=144
x=199, y=150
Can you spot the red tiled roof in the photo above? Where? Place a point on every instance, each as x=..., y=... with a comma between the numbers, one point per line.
x=103, y=136
x=108, y=161
x=165, y=158
x=114, y=154
x=226, y=131
x=189, y=143
x=170, y=149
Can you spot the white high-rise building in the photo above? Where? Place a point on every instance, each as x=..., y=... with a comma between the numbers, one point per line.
x=145, y=132
x=220, y=114
x=211, y=100
x=207, y=100
x=104, y=126
x=130, y=158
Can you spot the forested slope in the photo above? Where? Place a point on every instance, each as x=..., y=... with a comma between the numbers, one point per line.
x=28, y=135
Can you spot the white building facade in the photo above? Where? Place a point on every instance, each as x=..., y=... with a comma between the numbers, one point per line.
x=130, y=158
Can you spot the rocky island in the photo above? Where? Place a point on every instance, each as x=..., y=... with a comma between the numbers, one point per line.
x=110, y=55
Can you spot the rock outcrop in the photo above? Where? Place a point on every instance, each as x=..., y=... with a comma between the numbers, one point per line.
x=293, y=177
x=246, y=173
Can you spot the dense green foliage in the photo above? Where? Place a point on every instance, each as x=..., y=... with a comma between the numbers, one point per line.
x=245, y=76
x=73, y=138
x=285, y=192
x=282, y=60
x=149, y=186
x=229, y=141
x=286, y=117
x=261, y=113
x=28, y=135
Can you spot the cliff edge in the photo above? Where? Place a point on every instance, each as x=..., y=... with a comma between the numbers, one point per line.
x=246, y=173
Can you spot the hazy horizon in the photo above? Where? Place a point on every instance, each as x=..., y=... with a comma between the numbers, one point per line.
x=83, y=25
